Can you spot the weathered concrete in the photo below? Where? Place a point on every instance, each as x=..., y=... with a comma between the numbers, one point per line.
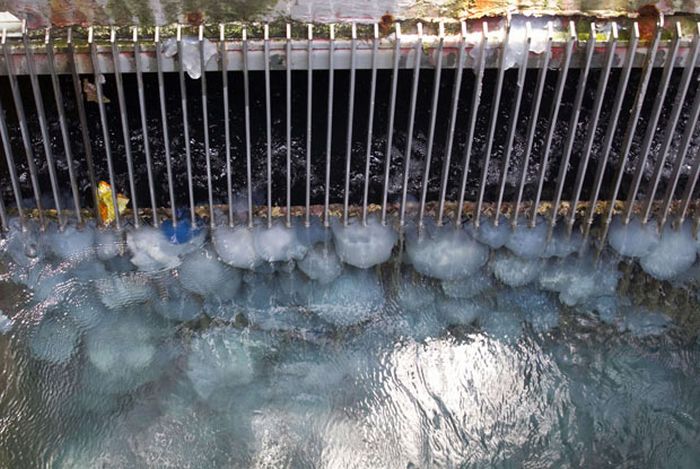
x=41, y=13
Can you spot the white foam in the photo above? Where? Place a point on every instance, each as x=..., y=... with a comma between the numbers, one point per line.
x=514, y=271
x=278, y=243
x=235, y=246
x=445, y=253
x=577, y=280
x=321, y=264
x=674, y=254
x=490, y=234
x=55, y=339
x=107, y=244
x=218, y=361
x=562, y=243
x=202, y=273
x=354, y=297
x=633, y=239
x=468, y=287
x=72, y=243
x=152, y=251
x=528, y=242
x=363, y=246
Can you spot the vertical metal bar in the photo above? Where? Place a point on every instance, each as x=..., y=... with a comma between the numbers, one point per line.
x=11, y=168
x=418, y=55
x=185, y=122
x=653, y=121
x=493, y=118
x=532, y=125
x=144, y=126
x=612, y=125
x=671, y=125
x=433, y=117
x=105, y=128
x=82, y=117
x=26, y=140
x=514, y=113
x=456, y=88
x=690, y=186
x=473, y=112
x=43, y=126
x=553, y=116
x=392, y=113
x=593, y=123
x=227, y=120
x=288, y=109
x=268, y=123
x=164, y=120
x=351, y=112
x=309, y=103
x=329, y=124
x=680, y=156
x=370, y=121
x=246, y=99
x=4, y=224
x=125, y=124
x=632, y=124
x=205, y=124
x=65, y=136
x=571, y=136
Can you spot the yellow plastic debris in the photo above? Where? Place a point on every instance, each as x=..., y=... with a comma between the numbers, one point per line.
x=106, y=204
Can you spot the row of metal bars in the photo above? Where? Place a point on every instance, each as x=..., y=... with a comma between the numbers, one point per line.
x=536, y=111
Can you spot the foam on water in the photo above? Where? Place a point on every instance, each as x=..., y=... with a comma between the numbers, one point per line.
x=201, y=272
x=494, y=236
x=278, y=243
x=633, y=239
x=72, y=242
x=468, y=287
x=445, y=253
x=321, y=263
x=674, y=254
x=353, y=297
x=235, y=246
x=528, y=242
x=312, y=361
x=514, y=271
x=364, y=246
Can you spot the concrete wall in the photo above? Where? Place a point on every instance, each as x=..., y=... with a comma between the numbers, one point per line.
x=160, y=12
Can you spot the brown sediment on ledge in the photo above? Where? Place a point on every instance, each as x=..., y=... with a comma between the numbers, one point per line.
x=431, y=209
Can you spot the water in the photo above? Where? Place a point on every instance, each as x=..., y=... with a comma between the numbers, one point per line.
x=188, y=361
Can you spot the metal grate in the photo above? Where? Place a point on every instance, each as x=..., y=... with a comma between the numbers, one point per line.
x=464, y=120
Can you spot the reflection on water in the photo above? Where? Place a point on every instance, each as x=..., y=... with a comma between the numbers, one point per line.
x=106, y=366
